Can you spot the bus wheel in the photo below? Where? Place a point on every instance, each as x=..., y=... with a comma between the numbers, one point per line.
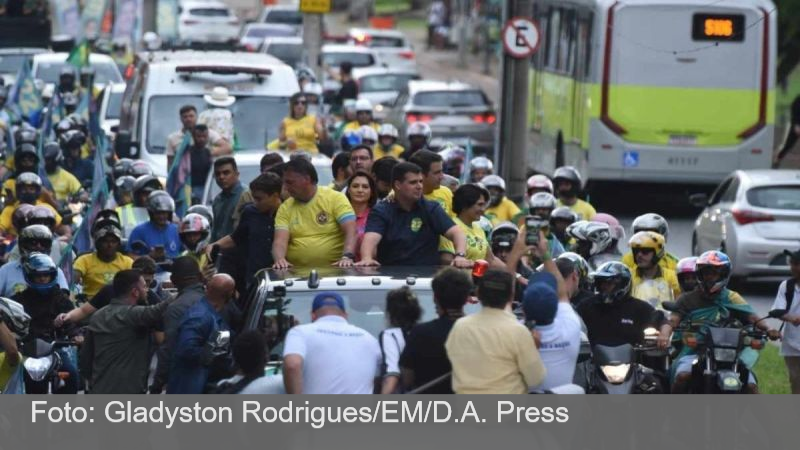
x=560, y=151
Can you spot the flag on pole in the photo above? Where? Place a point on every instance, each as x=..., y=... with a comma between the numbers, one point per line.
x=25, y=98
x=79, y=55
x=179, y=180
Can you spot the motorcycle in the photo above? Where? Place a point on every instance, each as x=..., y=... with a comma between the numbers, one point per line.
x=44, y=362
x=619, y=369
x=720, y=348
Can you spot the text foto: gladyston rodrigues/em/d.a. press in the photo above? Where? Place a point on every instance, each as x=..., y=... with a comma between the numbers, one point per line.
x=383, y=412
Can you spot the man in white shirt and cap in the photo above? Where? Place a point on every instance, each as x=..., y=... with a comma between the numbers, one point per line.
x=218, y=117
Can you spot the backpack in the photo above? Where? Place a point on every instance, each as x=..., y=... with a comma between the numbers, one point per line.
x=790, y=284
x=383, y=352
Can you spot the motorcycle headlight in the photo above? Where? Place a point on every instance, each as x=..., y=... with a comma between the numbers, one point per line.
x=37, y=368
x=616, y=374
x=725, y=354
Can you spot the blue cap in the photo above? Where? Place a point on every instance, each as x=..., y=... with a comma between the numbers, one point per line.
x=324, y=299
x=540, y=300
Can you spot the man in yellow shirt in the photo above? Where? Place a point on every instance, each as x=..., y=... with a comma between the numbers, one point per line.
x=568, y=183
x=432, y=166
x=652, y=283
x=316, y=227
x=387, y=142
x=97, y=269
x=65, y=185
x=28, y=188
x=658, y=224
x=492, y=353
x=363, y=117
x=500, y=209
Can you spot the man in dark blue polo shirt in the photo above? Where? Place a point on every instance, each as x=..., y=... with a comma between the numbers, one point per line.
x=406, y=231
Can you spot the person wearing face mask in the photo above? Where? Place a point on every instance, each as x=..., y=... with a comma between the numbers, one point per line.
x=194, y=231
x=568, y=183
x=363, y=195
x=500, y=209
x=28, y=187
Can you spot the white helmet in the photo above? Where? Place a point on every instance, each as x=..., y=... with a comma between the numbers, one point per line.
x=481, y=162
x=597, y=233
x=152, y=41
x=651, y=222
x=540, y=182
x=493, y=181
x=313, y=88
x=349, y=105
x=388, y=129
x=368, y=133
x=542, y=200
x=419, y=129
x=363, y=104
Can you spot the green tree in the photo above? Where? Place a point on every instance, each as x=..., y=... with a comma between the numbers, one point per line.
x=788, y=38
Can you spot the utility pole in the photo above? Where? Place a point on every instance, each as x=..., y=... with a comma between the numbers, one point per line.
x=312, y=37
x=462, y=33
x=511, y=149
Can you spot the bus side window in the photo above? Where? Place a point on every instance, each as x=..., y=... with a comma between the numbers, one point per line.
x=554, y=25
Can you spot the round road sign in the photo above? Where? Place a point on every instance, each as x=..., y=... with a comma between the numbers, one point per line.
x=520, y=37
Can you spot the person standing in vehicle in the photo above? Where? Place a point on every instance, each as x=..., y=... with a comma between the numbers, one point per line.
x=469, y=204
x=329, y=355
x=362, y=195
x=218, y=116
x=316, y=227
x=300, y=130
x=200, y=156
x=501, y=209
x=97, y=269
x=402, y=312
x=432, y=166
x=568, y=184
x=188, y=115
x=360, y=159
x=382, y=173
x=657, y=224
x=707, y=304
x=349, y=89
x=226, y=175
x=490, y=351
x=340, y=167
x=788, y=298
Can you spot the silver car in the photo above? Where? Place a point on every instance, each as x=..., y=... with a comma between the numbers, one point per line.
x=753, y=215
x=381, y=86
x=455, y=111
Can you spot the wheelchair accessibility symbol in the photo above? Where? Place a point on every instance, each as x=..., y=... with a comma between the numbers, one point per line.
x=630, y=159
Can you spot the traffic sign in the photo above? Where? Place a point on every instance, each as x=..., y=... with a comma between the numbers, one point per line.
x=315, y=6
x=520, y=37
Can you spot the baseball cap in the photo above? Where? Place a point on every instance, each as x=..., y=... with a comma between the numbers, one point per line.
x=794, y=256
x=540, y=300
x=324, y=299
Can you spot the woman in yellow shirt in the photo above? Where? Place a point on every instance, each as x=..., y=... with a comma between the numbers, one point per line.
x=300, y=130
x=469, y=204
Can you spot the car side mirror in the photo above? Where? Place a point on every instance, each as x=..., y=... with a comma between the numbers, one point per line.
x=115, y=129
x=124, y=146
x=698, y=200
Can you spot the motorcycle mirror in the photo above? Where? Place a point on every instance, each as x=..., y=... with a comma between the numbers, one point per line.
x=777, y=313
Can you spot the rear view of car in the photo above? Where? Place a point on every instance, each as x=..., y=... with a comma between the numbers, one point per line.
x=381, y=86
x=391, y=46
x=290, y=50
x=207, y=22
x=332, y=57
x=253, y=34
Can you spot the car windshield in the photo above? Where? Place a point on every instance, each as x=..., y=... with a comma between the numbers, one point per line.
x=263, y=32
x=256, y=119
x=209, y=12
x=283, y=16
x=385, y=82
x=775, y=197
x=114, y=105
x=452, y=99
x=386, y=42
x=105, y=72
x=335, y=59
x=250, y=172
x=291, y=54
x=12, y=63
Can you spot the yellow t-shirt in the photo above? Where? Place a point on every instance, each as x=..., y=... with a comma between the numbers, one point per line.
x=584, y=210
x=504, y=212
x=355, y=125
x=97, y=273
x=64, y=184
x=10, y=185
x=668, y=262
x=201, y=258
x=477, y=244
x=394, y=151
x=656, y=291
x=8, y=212
x=444, y=197
x=315, y=237
x=303, y=132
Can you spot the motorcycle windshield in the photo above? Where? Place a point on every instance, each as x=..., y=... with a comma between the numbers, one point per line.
x=725, y=337
x=604, y=355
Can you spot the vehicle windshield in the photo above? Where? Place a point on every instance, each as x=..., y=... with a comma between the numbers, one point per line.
x=385, y=82
x=104, y=72
x=291, y=54
x=263, y=32
x=12, y=63
x=256, y=119
x=284, y=16
x=209, y=12
x=114, y=105
x=452, y=99
x=775, y=197
x=386, y=42
x=252, y=171
x=357, y=59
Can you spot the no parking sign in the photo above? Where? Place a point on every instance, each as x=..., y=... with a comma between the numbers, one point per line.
x=520, y=37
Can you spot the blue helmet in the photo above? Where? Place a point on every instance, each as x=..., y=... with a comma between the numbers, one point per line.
x=40, y=264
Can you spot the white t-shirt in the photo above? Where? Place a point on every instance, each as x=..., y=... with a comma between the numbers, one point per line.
x=561, y=341
x=338, y=358
x=393, y=343
x=790, y=344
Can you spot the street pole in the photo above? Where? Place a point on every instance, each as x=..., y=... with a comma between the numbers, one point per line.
x=511, y=151
x=462, y=34
x=312, y=37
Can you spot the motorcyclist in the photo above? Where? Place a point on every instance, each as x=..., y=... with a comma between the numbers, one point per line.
x=69, y=102
x=133, y=214
x=204, y=211
x=500, y=209
x=542, y=205
x=539, y=183
x=369, y=136
x=194, y=232
x=363, y=116
x=97, y=269
x=159, y=234
x=651, y=282
x=348, y=115
x=712, y=301
x=71, y=144
x=122, y=167
x=387, y=143
x=592, y=242
x=123, y=191
x=28, y=187
x=67, y=80
x=502, y=239
x=32, y=239
x=65, y=185
x=479, y=167
x=452, y=159
x=44, y=300
x=568, y=184
x=617, y=231
x=42, y=215
x=560, y=219
x=657, y=223
x=418, y=136
x=140, y=168
x=687, y=275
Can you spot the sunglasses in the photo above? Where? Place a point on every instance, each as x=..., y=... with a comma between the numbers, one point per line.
x=300, y=102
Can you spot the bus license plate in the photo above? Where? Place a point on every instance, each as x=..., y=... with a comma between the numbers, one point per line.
x=683, y=140
x=683, y=161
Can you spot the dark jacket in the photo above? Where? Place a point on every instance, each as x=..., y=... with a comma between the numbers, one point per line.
x=187, y=297
x=116, y=355
x=43, y=309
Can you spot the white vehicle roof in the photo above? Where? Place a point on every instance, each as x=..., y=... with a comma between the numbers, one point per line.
x=345, y=48
x=204, y=4
x=377, y=32
x=429, y=85
x=359, y=72
x=297, y=40
x=94, y=58
x=767, y=177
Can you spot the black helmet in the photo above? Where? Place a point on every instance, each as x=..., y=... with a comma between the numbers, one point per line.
x=613, y=272
x=160, y=201
x=28, y=179
x=123, y=186
x=20, y=217
x=62, y=127
x=106, y=218
x=105, y=231
x=35, y=238
x=26, y=134
x=571, y=174
x=53, y=156
x=204, y=211
x=139, y=168
x=79, y=123
x=122, y=168
x=146, y=183
x=42, y=215
x=72, y=139
x=503, y=236
x=25, y=150
x=67, y=76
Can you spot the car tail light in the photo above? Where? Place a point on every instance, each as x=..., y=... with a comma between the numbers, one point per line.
x=746, y=216
x=361, y=38
x=129, y=71
x=250, y=47
x=190, y=22
x=489, y=118
x=416, y=117
x=407, y=54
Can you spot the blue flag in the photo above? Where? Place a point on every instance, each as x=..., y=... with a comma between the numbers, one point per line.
x=179, y=179
x=25, y=98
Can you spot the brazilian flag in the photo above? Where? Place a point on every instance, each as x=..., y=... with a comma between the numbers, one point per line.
x=79, y=56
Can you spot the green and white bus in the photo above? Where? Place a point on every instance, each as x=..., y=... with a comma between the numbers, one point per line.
x=664, y=91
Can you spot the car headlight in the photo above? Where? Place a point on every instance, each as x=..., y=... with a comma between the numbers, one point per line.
x=616, y=374
x=725, y=354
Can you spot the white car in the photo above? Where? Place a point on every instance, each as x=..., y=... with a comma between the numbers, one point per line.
x=253, y=34
x=392, y=46
x=288, y=49
x=111, y=106
x=753, y=216
x=47, y=67
x=381, y=86
x=12, y=59
x=207, y=22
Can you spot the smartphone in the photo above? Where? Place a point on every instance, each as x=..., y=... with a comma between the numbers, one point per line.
x=533, y=225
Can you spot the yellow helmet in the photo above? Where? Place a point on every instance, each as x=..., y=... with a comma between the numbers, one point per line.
x=648, y=240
